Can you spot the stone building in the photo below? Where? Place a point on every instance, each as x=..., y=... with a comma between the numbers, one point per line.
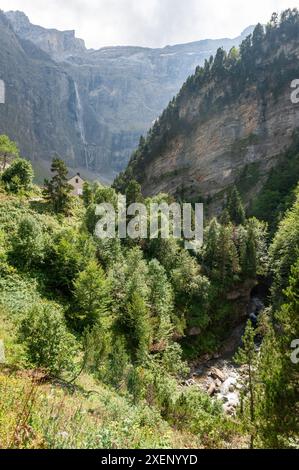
x=77, y=183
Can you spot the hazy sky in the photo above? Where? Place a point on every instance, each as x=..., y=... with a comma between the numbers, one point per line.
x=148, y=22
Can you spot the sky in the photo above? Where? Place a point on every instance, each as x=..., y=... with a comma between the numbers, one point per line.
x=152, y=23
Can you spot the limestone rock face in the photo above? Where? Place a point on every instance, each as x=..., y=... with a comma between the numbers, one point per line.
x=110, y=96
x=58, y=44
x=209, y=160
x=238, y=137
x=40, y=109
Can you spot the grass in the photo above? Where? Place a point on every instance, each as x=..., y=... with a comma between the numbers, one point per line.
x=34, y=414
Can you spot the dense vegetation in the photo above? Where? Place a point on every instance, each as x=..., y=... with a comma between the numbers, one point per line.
x=99, y=334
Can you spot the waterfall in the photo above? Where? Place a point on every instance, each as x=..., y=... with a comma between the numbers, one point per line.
x=81, y=123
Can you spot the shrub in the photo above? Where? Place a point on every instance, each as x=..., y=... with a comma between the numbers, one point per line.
x=28, y=243
x=18, y=176
x=49, y=345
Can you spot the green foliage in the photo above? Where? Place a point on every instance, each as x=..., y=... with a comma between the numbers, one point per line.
x=91, y=296
x=249, y=261
x=197, y=411
x=191, y=293
x=161, y=302
x=139, y=312
x=278, y=374
x=69, y=254
x=227, y=257
x=49, y=344
x=28, y=245
x=18, y=176
x=118, y=362
x=172, y=362
x=247, y=356
x=8, y=151
x=133, y=193
x=278, y=193
x=18, y=293
x=57, y=190
x=258, y=37
x=87, y=194
x=284, y=251
x=235, y=207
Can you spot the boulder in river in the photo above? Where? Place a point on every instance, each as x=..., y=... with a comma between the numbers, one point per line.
x=212, y=389
x=229, y=385
x=217, y=374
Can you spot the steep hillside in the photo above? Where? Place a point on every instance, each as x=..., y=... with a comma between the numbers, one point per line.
x=231, y=123
x=40, y=111
x=119, y=91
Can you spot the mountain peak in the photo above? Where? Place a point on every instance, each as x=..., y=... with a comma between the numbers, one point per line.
x=58, y=44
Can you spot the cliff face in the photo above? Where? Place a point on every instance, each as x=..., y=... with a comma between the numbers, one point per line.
x=117, y=92
x=58, y=44
x=223, y=130
x=40, y=110
x=213, y=156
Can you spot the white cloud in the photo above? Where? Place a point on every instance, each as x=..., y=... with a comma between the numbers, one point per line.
x=151, y=23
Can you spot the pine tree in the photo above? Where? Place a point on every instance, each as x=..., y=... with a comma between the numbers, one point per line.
x=57, y=191
x=138, y=323
x=219, y=63
x=131, y=292
x=279, y=374
x=258, y=36
x=133, y=193
x=247, y=356
x=227, y=257
x=235, y=207
x=161, y=303
x=91, y=294
x=211, y=245
x=288, y=317
x=88, y=195
x=118, y=361
x=270, y=409
x=225, y=218
x=249, y=262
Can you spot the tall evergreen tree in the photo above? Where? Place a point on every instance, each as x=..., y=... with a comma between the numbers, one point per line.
x=91, y=293
x=249, y=262
x=211, y=245
x=227, y=256
x=235, y=207
x=247, y=356
x=57, y=190
x=161, y=303
x=258, y=36
x=279, y=372
x=133, y=193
